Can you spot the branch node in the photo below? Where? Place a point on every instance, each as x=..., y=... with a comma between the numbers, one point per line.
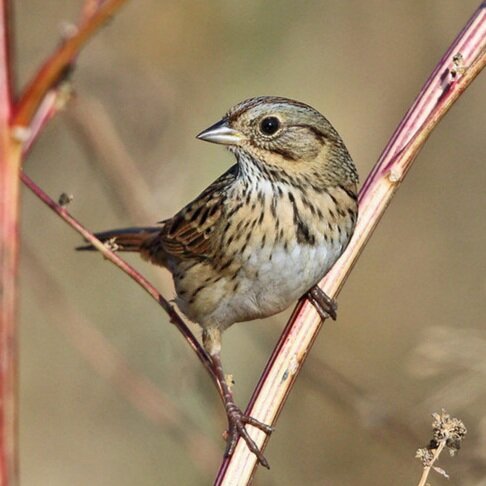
x=292, y=368
x=65, y=199
x=21, y=134
x=111, y=244
x=68, y=30
x=458, y=66
x=395, y=175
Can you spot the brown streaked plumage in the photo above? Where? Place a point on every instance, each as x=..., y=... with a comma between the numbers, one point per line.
x=264, y=233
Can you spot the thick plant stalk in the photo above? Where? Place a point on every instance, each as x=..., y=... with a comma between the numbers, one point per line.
x=13, y=117
x=9, y=208
x=456, y=70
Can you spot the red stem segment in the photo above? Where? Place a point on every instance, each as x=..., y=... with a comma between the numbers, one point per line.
x=9, y=209
x=58, y=64
x=10, y=160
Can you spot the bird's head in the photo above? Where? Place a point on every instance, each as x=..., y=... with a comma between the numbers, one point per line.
x=285, y=135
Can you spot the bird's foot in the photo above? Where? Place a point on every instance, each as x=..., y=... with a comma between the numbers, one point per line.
x=237, y=422
x=324, y=305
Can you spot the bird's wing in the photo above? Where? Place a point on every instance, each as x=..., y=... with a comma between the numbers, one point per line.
x=192, y=232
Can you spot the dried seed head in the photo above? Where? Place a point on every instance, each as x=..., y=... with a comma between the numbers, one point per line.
x=425, y=456
x=448, y=429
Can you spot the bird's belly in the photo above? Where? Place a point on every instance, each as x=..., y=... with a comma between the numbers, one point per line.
x=269, y=282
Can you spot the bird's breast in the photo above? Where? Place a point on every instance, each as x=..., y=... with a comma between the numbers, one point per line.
x=274, y=247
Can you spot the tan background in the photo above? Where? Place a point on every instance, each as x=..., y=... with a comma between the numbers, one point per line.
x=410, y=338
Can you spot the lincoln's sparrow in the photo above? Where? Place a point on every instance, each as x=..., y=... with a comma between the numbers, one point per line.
x=263, y=234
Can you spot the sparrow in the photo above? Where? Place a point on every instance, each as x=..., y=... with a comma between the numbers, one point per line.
x=262, y=235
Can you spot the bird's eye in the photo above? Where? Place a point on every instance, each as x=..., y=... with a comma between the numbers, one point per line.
x=269, y=125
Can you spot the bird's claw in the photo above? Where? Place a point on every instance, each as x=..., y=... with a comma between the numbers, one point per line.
x=237, y=422
x=325, y=306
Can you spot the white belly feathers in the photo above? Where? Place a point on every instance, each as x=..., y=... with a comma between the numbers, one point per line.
x=267, y=286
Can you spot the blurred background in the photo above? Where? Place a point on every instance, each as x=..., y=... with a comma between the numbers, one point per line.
x=110, y=393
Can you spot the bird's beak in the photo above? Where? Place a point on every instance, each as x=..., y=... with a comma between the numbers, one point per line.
x=221, y=133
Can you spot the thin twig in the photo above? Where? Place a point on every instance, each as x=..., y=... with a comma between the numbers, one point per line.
x=19, y=117
x=426, y=469
x=125, y=267
x=48, y=109
x=457, y=69
x=49, y=106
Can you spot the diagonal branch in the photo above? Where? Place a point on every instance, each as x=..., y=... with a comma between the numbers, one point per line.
x=462, y=62
x=59, y=63
x=48, y=108
x=451, y=77
x=41, y=101
x=39, y=111
x=175, y=318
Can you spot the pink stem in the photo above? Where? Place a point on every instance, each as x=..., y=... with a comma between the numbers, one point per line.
x=459, y=66
x=9, y=241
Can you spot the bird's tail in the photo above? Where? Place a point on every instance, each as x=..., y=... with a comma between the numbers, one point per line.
x=125, y=239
